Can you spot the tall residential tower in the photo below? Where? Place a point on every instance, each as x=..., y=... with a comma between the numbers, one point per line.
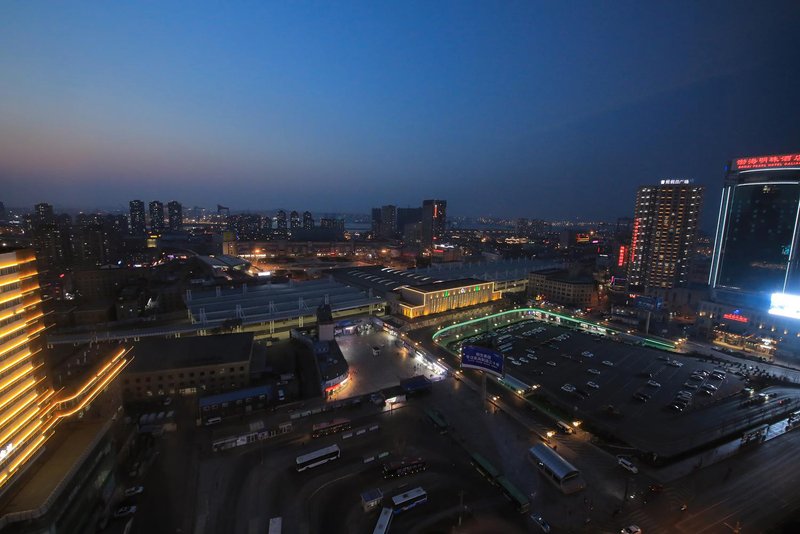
x=664, y=233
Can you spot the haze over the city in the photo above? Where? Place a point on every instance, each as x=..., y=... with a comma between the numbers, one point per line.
x=503, y=108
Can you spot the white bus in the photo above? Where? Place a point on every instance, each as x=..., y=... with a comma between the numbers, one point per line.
x=313, y=459
x=275, y=525
x=409, y=499
x=384, y=521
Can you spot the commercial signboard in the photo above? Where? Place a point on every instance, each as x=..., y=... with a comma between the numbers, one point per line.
x=642, y=302
x=482, y=358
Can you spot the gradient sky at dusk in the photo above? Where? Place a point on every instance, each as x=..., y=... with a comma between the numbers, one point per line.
x=539, y=109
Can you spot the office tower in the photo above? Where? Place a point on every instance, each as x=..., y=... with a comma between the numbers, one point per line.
x=223, y=211
x=157, y=216
x=138, y=226
x=755, y=245
x=2, y=212
x=434, y=218
x=664, y=234
x=388, y=221
x=308, y=221
x=24, y=417
x=376, y=221
x=175, y=214
x=294, y=220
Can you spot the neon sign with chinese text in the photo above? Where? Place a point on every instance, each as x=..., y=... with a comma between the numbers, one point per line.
x=766, y=162
x=736, y=317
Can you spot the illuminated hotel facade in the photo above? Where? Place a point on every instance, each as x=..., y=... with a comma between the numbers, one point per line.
x=664, y=234
x=754, y=277
x=29, y=405
x=24, y=397
x=441, y=297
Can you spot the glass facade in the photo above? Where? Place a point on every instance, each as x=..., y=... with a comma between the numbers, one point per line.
x=757, y=237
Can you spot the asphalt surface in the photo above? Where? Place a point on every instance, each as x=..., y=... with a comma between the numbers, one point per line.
x=650, y=426
x=190, y=489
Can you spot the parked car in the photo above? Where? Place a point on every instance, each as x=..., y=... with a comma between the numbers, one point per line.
x=632, y=529
x=125, y=511
x=653, y=384
x=134, y=490
x=539, y=520
x=608, y=363
x=627, y=464
x=592, y=385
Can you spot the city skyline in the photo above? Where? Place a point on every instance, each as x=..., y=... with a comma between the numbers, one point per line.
x=472, y=103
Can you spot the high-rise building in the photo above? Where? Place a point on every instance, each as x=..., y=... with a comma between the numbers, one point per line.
x=376, y=221
x=280, y=222
x=755, y=246
x=755, y=273
x=434, y=218
x=33, y=403
x=247, y=227
x=138, y=225
x=175, y=214
x=157, y=216
x=294, y=220
x=664, y=234
x=388, y=221
x=44, y=214
x=406, y=216
x=24, y=415
x=308, y=221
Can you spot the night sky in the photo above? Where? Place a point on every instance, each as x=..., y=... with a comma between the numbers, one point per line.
x=538, y=109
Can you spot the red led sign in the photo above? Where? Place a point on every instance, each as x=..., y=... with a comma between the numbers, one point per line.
x=621, y=259
x=736, y=317
x=766, y=162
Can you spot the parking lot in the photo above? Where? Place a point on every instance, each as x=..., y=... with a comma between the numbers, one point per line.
x=659, y=402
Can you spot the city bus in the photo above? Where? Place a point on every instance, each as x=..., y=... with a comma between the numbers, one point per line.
x=384, y=521
x=520, y=502
x=516, y=385
x=409, y=499
x=407, y=466
x=275, y=525
x=313, y=459
x=556, y=469
x=484, y=467
x=437, y=420
x=332, y=427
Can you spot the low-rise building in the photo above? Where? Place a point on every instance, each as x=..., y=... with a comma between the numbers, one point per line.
x=556, y=285
x=188, y=365
x=439, y=297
